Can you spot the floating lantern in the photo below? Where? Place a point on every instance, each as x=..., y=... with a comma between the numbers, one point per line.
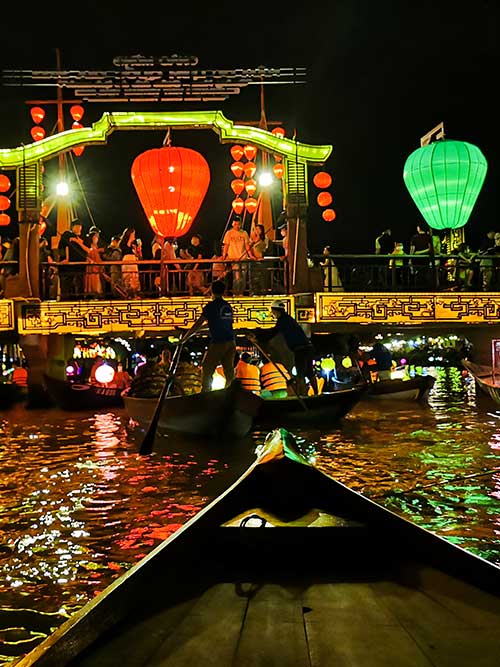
x=4, y=219
x=4, y=203
x=279, y=170
x=251, y=205
x=322, y=180
x=329, y=214
x=171, y=184
x=4, y=183
x=278, y=132
x=37, y=114
x=444, y=179
x=238, y=205
x=251, y=187
x=324, y=199
x=237, y=169
x=250, y=168
x=237, y=186
x=250, y=151
x=236, y=152
x=37, y=133
x=77, y=112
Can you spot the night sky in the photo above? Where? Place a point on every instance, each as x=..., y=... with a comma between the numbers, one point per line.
x=379, y=76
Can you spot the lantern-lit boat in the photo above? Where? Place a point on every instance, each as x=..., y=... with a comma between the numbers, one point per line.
x=82, y=396
x=285, y=566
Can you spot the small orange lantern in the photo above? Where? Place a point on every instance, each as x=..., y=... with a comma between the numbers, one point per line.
x=251, y=204
x=4, y=203
x=329, y=215
x=236, y=152
x=279, y=132
x=250, y=169
x=251, y=187
x=322, y=180
x=238, y=205
x=76, y=125
x=4, y=183
x=37, y=114
x=78, y=150
x=77, y=112
x=4, y=219
x=279, y=170
x=37, y=133
x=324, y=199
x=237, y=186
x=250, y=151
x=237, y=169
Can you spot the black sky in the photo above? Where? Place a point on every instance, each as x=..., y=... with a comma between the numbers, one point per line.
x=380, y=75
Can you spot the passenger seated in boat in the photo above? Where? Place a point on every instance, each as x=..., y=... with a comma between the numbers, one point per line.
x=248, y=373
x=188, y=374
x=383, y=361
x=121, y=379
x=274, y=379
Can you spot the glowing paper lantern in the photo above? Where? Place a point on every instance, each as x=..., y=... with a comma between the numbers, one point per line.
x=250, y=169
x=4, y=203
x=329, y=214
x=279, y=170
x=77, y=112
x=250, y=151
x=444, y=180
x=327, y=364
x=237, y=169
x=237, y=186
x=104, y=373
x=236, y=152
x=37, y=114
x=171, y=183
x=251, y=187
x=238, y=205
x=4, y=183
x=251, y=204
x=324, y=199
x=37, y=133
x=78, y=150
x=4, y=219
x=278, y=132
x=322, y=179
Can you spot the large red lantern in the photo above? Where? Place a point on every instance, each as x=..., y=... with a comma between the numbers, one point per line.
x=251, y=187
x=279, y=132
x=4, y=219
x=237, y=186
x=37, y=114
x=171, y=184
x=4, y=203
x=279, y=170
x=4, y=183
x=78, y=150
x=37, y=132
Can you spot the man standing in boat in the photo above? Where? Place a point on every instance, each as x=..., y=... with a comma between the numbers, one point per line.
x=218, y=313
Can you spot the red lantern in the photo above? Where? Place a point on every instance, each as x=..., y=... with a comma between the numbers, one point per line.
x=238, y=205
x=37, y=114
x=329, y=214
x=279, y=132
x=4, y=183
x=279, y=170
x=251, y=187
x=237, y=186
x=250, y=151
x=250, y=169
x=4, y=203
x=236, y=152
x=251, y=204
x=37, y=133
x=76, y=126
x=78, y=150
x=77, y=112
x=324, y=199
x=171, y=184
x=322, y=180
x=237, y=169
x=4, y=219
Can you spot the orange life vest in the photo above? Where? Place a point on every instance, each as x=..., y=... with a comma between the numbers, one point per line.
x=249, y=376
x=20, y=377
x=270, y=377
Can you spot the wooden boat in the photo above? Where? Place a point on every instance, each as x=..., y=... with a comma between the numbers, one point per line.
x=288, y=566
x=415, y=388
x=487, y=381
x=82, y=396
x=225, y=413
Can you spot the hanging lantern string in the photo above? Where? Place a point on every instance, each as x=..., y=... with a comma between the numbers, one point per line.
x=168, y=140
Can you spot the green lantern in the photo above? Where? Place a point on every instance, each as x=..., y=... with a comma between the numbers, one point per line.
x=444, y=179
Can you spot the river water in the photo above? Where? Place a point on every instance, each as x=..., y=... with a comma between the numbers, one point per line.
x=79, y=505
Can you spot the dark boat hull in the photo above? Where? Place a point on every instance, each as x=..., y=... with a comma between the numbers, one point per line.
x=487, y=382
x=200, y=589
x=416, y=388
x=10, y=394
x=73, y=396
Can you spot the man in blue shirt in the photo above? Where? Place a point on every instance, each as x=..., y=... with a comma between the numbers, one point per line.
x=218, y=313
x=297, y=341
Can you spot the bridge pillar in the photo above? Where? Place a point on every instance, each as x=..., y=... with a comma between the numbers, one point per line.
x=34, y=347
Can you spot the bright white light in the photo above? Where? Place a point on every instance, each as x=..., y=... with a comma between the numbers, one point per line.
x=62, y=189
x=218, y=382
x=265, y=178
x=104, y=373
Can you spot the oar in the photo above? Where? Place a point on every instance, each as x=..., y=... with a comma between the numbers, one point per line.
x=266, y=356
x=149, y=438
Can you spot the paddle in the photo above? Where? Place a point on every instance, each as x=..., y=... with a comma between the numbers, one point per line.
x=266, y=356
x=147, y=443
